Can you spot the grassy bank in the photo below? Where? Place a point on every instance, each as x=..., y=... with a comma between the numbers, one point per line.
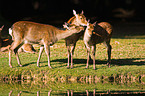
x=128, y=57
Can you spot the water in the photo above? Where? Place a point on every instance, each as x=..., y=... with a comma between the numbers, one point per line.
x=64, y=88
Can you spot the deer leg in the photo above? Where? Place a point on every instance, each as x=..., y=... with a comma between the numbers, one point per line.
x=10, y=55
x=68, y=51
x=72, y=52
x=67, y=92
x=19, y=94
x=15, y=46
x=10, y=93
x=87, y=92
x=18, y=59
x=16, y=53
x=93, y=52
x=109, y=55
x=107, y=44
x=47, y=51
x=88, y=57
x=94, y=92
x=49, y=93
x=40, y=53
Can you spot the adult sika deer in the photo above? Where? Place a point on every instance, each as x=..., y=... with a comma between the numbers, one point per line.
x=79, y=20
x=42, y=34
x=97, y=33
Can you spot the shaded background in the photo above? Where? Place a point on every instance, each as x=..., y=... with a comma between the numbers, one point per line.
x=56, y=12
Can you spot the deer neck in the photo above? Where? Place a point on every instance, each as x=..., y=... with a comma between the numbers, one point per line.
x=65, y=33
x=87, y=35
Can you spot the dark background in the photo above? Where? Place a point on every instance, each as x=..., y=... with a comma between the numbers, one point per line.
x=14, y=10
x=56, y=12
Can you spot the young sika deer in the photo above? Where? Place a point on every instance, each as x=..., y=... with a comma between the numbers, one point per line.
x=5, y=44
x=45, y=35
x=77, y=19
x=95, y=34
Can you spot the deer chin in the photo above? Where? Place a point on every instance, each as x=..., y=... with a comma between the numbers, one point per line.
x=84, y=24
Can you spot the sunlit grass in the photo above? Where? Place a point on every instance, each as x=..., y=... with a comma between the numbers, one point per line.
x=128, y=55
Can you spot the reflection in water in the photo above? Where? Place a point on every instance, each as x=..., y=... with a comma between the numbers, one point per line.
x=40, y=88
x=19, y=94
x=70, y=93
x=38, y=93
x=94, y=93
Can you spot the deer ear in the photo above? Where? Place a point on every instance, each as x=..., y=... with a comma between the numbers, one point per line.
x=65, y=25
x=74, y=12
x=82, y=12
x=2, y=27
x=94, y=23
x=88, y=20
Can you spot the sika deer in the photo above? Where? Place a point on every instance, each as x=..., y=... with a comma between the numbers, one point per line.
x=95, y=34
x=26, y=47
x=5, y=45
x=77, y=19
x=42, y=34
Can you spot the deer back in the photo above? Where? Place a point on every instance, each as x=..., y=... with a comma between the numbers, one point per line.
x=108, y=27
x=34, y=32
x=97, y=34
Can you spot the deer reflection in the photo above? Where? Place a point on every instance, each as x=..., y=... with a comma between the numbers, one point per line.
x=10, y=93
x=38, y=93
x=69, y=92
x=87, y=92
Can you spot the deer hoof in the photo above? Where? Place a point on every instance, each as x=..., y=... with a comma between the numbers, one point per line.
x=109, y=65
x=86, y=67
x=11, y=66
x=20, y=65
x=50, y=67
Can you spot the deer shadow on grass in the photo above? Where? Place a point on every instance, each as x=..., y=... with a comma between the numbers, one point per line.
x=82, y=62
x=129, y=61
x=114, y=62
x=27, y=64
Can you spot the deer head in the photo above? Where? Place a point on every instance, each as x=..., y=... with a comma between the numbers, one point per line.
x=80, y=18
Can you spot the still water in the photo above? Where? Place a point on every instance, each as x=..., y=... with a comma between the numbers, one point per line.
x=59, y=88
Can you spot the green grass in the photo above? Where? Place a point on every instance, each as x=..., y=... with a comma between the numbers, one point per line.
x=128, y=55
